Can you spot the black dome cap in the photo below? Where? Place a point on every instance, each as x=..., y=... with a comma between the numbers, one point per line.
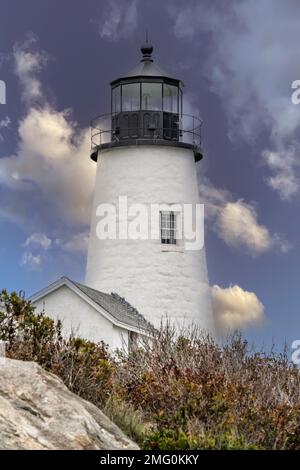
x=146, y=50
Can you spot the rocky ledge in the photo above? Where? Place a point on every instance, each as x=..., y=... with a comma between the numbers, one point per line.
x=37, y=411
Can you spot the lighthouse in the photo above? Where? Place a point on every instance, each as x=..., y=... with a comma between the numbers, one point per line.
x=146, y=150
x=146, y=262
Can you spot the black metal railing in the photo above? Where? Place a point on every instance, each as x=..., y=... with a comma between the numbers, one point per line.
x=145, y=125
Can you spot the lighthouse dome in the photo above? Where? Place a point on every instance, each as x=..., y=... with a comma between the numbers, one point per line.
x=146, y=67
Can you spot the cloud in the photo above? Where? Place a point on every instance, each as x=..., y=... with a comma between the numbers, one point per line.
x=251, y=64
x=31, y=261
x=77, y=243
x=38, y=240
x=50, y=166
x=4, y=124
x=238, y=226
x=4, y=57
x=284, y=166
x=236, y=309
x=46, y=186
x=236, y=222
x=27, y=64
x=50, y=176
x=119, y=19
x=41, y=249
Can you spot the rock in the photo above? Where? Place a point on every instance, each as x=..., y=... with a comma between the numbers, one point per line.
x=37, y=411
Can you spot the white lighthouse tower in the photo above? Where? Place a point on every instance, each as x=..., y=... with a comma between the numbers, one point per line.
x=146, y=154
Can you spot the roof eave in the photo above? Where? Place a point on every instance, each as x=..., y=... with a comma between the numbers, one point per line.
x=67, y=282
x=133, y=78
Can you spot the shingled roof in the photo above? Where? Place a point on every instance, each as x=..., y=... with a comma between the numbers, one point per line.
x=116, y=306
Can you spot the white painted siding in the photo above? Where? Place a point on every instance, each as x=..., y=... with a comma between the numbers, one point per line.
x=81, y=318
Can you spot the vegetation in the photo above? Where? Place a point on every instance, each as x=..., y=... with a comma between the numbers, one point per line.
x=172, y=392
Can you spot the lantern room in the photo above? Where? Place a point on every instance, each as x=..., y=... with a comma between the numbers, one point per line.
x=146, y=108
x=146, y=103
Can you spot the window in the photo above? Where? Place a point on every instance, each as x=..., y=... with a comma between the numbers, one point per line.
x=152, y=96
x=116, y=100
x=131, y=97
x=170, y=98
x=168, y=228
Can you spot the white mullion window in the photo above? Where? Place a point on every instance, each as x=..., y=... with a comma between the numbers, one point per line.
x=168, y=228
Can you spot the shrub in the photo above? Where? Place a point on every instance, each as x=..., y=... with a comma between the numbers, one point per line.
x=201, y=395
x=171, y=392
x=85, y=367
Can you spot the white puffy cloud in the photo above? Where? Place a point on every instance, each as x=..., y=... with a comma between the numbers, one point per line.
x=39, y=248
x=36, y=245
x=38, y=240
x=31, y=261
x=119, y=19
x=238, y=226
x=236, y=309
x=50, y=175
x=28, y=63
x=251, y=65
x=53, y=158
x=47, y=184
x=76, y=243
x=284, y=166
x=236, y=222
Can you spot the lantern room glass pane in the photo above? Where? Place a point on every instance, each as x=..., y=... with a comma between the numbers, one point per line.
x=170, y=98
x=116, y=100
x=152, y=96
x=131, y=97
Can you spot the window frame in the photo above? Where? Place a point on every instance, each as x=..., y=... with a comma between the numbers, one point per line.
x=168, y=228
x=114, y=90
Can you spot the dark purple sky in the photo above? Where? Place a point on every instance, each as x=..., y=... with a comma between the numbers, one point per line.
x=237, y=62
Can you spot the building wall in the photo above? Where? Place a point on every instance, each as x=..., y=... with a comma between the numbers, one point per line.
x=80, y=318
x=160, y=284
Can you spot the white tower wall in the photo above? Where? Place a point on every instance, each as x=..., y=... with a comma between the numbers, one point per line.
x=160, y=281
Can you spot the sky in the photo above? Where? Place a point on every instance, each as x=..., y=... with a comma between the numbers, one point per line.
x=238, y=60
